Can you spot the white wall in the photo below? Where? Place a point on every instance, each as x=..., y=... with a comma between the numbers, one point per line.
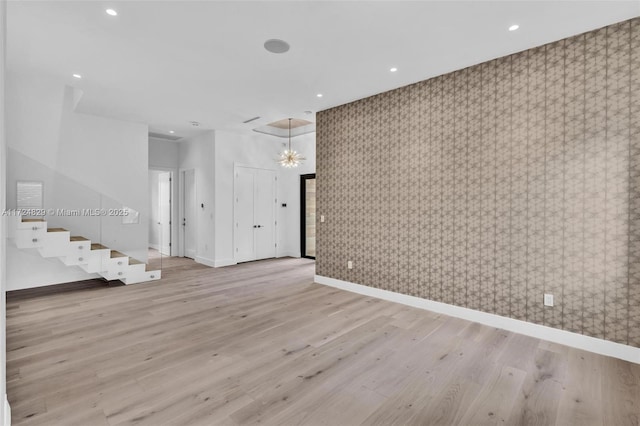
x=154, y=217
x=261, y=151
x=84, y=161
x=198, y=153
x=163, y=154
x=4, y=415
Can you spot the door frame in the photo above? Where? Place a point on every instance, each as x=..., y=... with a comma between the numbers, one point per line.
x=181, y=210
x=175, y=208
x=236, y=165
x=303, y=208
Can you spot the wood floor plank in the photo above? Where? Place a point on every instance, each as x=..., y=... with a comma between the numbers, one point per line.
x=582, y=399
x=260, y=343
x=620, y=393
x=537, y=403
x=493, y=404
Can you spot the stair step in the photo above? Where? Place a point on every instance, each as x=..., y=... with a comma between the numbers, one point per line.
x=97, y=246
x=55, y=243
x=115, y=253
x=133, y=261
x=141, y=276
x=77, y=238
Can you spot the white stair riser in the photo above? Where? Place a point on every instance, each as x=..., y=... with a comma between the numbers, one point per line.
x=78, y=253
x=97, y=261
x=143, y=276
x=32, y=237
x=116, y=268
x=138, y=267
x=55, y=244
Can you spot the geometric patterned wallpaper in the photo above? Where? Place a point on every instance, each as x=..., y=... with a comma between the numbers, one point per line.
x=487, y=187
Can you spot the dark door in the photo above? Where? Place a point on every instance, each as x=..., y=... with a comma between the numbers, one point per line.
x=308, y=215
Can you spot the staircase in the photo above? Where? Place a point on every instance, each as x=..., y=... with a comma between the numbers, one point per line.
x=76, y=251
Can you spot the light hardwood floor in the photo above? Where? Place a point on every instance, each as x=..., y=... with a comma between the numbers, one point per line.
x=261, y=343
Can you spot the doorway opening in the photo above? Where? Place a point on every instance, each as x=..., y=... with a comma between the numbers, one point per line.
x=160, y=220
x=308, y=216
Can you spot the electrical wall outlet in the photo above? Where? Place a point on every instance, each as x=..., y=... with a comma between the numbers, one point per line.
x=548, y=299
x=321, y=218
x=349, y=264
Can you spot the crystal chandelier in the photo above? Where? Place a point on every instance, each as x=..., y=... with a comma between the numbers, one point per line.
x=290, y=158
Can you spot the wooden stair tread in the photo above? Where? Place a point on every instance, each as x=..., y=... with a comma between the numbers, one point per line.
x=97, y=246
x=57, y=230
x=78, y=238
x=115, y=253
x=33, y=220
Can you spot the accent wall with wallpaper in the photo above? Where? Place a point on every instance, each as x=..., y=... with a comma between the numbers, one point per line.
x=487, y=187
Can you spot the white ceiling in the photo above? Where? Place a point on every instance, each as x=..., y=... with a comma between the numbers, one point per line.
x=166, y=63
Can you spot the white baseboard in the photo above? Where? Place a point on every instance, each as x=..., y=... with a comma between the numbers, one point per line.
x=205, y=261
x=154, y=246
x=7, y=412
x=224, y=262
x=289, y=254
x=587, y=343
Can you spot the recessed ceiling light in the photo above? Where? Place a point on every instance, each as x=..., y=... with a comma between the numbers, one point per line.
x=514, y=27
x=308, y=112
x=77, y=76
x=171, y=131
x=275, y=45
x=319, y=95
x=394, y=69
x=111, y=12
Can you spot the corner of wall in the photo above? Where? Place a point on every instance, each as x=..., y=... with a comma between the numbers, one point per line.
x=6, y=417
x=5, y=411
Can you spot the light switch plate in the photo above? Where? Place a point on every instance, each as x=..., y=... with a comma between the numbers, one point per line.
x=321, y=218
x=548, y=299
x=349, y=264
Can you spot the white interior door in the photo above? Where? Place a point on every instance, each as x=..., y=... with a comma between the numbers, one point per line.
x=245, y=225
x=164, y=213
x=264, y=213
x=189, y=225
x=254, y=213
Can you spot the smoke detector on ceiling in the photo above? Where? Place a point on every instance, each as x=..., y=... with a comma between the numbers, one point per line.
x=275, y=45
x=195, y=123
